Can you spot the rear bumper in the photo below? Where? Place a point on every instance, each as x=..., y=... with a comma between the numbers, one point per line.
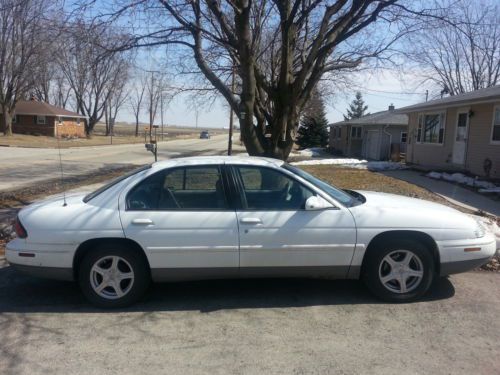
x=45, y=272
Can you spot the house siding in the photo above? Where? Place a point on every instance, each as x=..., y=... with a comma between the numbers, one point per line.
x=478, y=149
x=479, y=141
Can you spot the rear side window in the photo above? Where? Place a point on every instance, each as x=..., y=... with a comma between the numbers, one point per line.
x=189, y=188
x=103, y=188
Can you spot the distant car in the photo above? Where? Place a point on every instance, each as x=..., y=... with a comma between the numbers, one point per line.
x=226, y=217
x=204, y=135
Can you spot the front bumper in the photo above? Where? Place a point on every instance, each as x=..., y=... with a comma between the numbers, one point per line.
x=464, y=255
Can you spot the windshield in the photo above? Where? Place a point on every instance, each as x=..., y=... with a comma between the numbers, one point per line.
x=334, y=192
x=103, y=188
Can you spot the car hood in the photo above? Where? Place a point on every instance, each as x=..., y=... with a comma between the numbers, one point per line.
x=396, y=211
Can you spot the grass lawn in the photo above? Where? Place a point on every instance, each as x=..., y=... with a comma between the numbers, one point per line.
x=362, y=179
x=124, y=134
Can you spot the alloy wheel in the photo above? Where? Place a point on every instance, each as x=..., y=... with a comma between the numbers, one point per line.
x=111, y=277
x=401, y=271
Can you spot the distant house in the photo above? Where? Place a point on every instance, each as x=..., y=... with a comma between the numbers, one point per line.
x=373, y=136
x=40, y=118
x=460, y=132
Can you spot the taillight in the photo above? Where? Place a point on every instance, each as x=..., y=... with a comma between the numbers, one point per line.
x=20, y=230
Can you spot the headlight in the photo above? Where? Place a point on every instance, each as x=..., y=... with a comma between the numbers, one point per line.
x=480, y=230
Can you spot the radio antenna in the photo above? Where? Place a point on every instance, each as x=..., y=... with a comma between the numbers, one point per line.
x=62, y=172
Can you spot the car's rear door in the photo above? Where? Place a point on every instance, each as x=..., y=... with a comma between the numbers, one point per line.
x=182, y=219
x=278, y=236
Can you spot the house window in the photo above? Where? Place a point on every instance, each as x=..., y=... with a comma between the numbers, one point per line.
x=431, y=128
x=14, y=119
x=59, y=121
x=356, y=132
x=78, y=122
x=495, y=132
x=41, y=120
x=404, y=137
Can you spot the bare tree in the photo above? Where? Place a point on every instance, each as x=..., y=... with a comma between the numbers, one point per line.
x=23, y=46
x=116, y=99
x=280, y=50
x=136, y=99
x=92, y=70
x=462, y=56
x=156, y=93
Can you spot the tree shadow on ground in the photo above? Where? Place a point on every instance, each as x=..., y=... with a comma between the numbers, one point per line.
x=20, y=293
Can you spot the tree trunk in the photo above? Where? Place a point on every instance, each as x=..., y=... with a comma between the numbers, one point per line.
x=89, y=126
x=275, y=146
x=137, y=126
x=6, y=121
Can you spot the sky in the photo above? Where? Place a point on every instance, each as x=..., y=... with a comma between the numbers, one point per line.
x=379, y=89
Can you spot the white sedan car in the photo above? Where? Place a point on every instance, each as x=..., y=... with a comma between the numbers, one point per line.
x=225, y=217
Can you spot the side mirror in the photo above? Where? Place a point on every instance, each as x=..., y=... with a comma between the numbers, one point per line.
x=316, y=203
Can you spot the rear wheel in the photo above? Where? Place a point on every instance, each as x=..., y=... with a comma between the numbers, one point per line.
x=113, y=276
x=399, y=270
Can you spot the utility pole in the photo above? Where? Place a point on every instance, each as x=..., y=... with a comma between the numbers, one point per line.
x=231, y=118
x=426, y=95
x=161, y=114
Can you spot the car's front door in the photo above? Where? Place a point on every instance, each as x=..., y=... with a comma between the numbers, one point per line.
x=182, y=219
x=277, y=234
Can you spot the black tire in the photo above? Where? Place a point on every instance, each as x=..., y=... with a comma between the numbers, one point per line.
x=130, y=259
x=375, y=265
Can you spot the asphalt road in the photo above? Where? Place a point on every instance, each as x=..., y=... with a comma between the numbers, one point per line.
x=251, y=327
x=25, y=166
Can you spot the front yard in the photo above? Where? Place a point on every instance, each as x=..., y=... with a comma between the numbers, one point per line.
x=363, y=179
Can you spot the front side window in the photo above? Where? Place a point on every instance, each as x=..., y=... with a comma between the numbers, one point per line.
x=431, y=128
x=41, y=120
x=495, y=132
x=189, y=188
x=268, y=189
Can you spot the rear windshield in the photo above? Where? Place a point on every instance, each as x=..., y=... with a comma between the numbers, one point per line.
x=103, y=188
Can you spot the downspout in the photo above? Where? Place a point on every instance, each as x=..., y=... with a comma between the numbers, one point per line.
x=390, y=139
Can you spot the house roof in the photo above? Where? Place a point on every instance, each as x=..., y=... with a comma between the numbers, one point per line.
x=36, y=108
x=478, y=96
x=378, y=118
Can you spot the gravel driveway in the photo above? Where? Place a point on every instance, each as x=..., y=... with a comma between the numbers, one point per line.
x=251, y=327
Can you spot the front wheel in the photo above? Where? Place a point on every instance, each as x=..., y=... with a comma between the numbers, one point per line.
x=399, y=270
x=113, y=276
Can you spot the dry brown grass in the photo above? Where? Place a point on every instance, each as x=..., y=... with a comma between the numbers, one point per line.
x=124, y=134
x=362, y=179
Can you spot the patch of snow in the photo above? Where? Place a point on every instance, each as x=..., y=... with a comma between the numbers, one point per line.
x=491, y=190
x=461, y=179
x=355, y=163
x=310, y=152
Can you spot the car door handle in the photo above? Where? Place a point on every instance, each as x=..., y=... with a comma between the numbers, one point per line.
x=251, y=220
x=142, y=222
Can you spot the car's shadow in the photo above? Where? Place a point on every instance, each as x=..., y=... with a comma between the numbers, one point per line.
x=19, y=293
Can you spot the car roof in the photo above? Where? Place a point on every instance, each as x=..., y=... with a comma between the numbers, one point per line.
x=204, y=160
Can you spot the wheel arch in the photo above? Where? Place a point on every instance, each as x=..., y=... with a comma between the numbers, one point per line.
x=88, y=245
x=419, y=236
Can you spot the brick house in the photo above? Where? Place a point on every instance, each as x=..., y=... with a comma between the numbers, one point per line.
x=460, y=132
x=40, y=118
